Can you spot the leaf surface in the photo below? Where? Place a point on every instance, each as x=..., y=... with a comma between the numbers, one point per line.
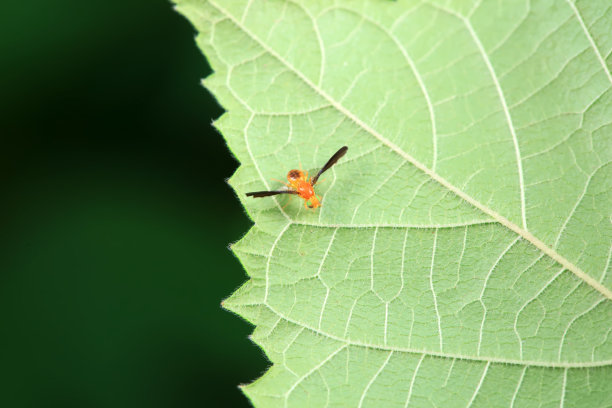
x=462, y=253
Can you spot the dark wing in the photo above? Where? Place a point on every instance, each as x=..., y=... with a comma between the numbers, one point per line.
x=257, y=194
x=337, y=156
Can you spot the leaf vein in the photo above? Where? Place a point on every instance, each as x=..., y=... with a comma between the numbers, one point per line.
x=349, y=342
x=435, y=176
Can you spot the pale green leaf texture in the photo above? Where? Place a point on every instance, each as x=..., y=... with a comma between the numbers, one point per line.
x=462, y=253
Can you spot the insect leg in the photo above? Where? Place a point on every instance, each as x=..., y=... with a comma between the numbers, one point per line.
x=287, y=203
x=280, y=181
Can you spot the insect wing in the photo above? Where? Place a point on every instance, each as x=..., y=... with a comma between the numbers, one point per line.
x=337, y=156
x=257, y=194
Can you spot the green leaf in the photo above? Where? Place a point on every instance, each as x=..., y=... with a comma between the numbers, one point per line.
x=462, y=253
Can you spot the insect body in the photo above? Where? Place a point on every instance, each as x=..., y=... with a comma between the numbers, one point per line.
x=299, y=184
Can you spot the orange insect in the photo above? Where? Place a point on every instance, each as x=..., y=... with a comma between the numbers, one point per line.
x=299, y=184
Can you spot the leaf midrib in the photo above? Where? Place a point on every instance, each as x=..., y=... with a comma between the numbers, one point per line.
x=432, y=174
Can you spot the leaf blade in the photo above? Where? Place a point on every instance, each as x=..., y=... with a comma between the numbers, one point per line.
x=551, y=303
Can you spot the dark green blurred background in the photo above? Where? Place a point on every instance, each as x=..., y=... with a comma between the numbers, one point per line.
x=115, y=215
